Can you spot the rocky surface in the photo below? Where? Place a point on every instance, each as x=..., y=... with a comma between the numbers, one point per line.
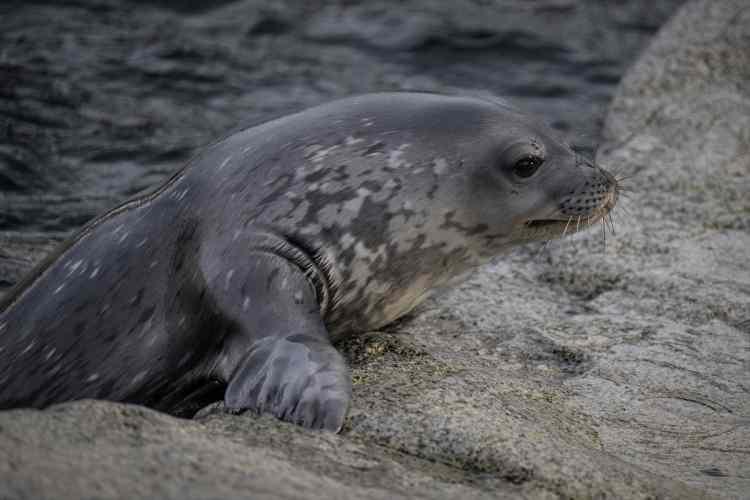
x=571, y=371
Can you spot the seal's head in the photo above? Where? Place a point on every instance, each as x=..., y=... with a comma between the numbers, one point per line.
x=547, y=189
x=522, y=183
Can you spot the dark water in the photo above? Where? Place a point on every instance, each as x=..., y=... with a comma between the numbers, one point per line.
x=100, y=99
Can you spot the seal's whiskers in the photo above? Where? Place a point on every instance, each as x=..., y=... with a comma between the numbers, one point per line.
x=608, y=218
x=620, y=178
x=566, y=226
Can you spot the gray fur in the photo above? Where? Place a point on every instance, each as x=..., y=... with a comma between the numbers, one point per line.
x=275, y=241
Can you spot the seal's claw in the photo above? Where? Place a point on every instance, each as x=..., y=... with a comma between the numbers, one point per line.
x=299, y=378
x=334, y=412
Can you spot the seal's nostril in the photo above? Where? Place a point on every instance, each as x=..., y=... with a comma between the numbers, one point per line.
x=609, y=179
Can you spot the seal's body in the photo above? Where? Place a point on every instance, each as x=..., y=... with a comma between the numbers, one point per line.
x=275, y=241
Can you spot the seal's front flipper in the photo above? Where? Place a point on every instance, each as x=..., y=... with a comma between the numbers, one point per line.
x=277, y=357
x=298, y=378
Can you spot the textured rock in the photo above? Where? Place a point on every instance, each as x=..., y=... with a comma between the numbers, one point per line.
x=678, y=400
x=573, y=371
x=108, y=450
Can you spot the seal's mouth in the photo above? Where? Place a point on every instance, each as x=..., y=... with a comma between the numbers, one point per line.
x=566, y=225
x=543, y=223
x=581, y=222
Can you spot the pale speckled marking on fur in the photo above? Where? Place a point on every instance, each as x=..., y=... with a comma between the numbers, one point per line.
x=179, y=195
x=73, y=266
x=396, y=159
x=311, y=229
x=351, y=140
x=439, y=166
x=224, y=163
x=330, y=216
x=320, y=153
x=228, y=279
x=140, y=376
x=346, y=241
x=359, y=273
x=355, y=204
x=29, y=347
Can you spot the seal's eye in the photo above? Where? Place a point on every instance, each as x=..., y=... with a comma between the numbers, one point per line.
x=520, y=160
x=527, y=166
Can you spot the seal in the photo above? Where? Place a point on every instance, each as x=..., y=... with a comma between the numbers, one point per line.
x=233, y=279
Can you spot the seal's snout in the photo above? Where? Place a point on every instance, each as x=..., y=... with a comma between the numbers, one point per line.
x=586, y=202
x=595, y=197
